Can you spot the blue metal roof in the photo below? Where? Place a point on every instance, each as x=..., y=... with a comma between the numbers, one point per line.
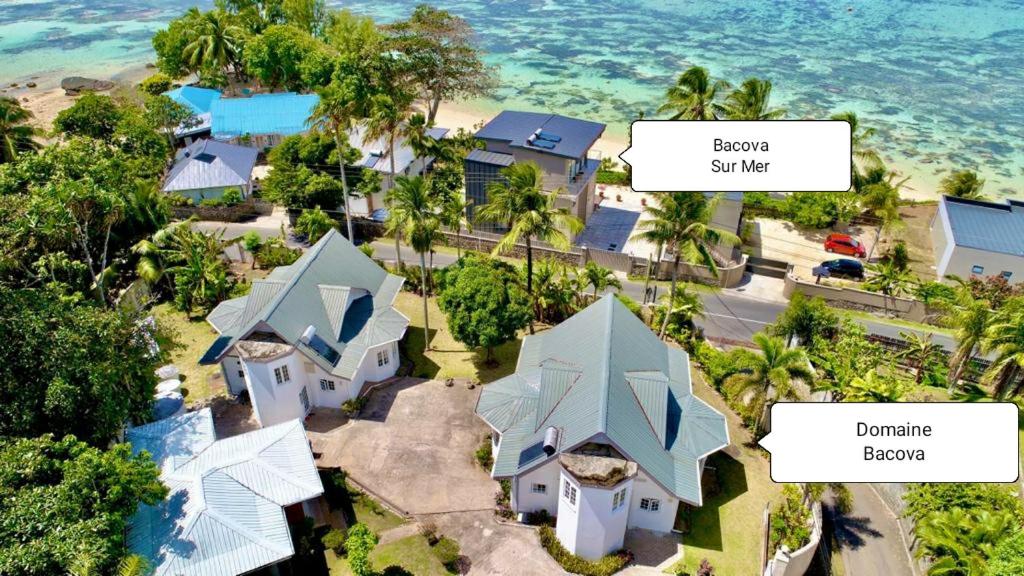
x=544, y=133
x=285, y=113
x=199, y=100
x=991, y=226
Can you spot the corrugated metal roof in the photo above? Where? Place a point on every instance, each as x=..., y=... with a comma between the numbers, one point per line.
x=210, y=164
x=224, y=316
x=197, y=99
x=632, y=389
x=493, y=158
x=224, y=515
x=375, y=152
x=284, y=113
x=516, y=128
x=287, y=305
x=991, y=226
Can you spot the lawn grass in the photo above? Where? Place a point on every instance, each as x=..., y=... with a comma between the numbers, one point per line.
x=190, y=337
x=727, y=528
x=448, y=358
x=898, y=322
x=412, y=553
x=376, y=517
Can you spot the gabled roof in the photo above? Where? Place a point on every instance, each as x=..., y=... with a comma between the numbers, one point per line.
x=210, y=164
x=375, y=152
x=991, y=226
x=559, y=135
x=602, y=374
x=199, y=100
x=224, y=513
x=335, y=288
x=283, y=113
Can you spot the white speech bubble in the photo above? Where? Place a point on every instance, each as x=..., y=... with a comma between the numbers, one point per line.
x=740, y=156
x=917, y=442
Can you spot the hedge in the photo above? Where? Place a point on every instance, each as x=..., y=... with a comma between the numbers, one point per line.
x=572, y=563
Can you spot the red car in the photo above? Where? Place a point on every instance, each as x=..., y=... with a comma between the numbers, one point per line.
x=844, y=244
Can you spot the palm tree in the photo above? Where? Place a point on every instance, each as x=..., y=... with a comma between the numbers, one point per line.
x=217, y=43
x=963, y=184
x=680, y=221
x=750, y=102
x=880, y=194
x=873, y=387
x=416, y=136
x=519, y=201
x=601, y=278
x=1005, y=339
x=386, y=116
x=131, y=565
x=453, y=215
x=16, y=134
x=862, y=150
x=334, y=115
x=411, y=204
x=770, y=374
x=960, y=541
x=891, y=280
x=694, y=96
x=919, y=353
x=970, y=317
x=680, y=308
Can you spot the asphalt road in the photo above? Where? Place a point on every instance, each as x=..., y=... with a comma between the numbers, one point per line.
x=869, y=537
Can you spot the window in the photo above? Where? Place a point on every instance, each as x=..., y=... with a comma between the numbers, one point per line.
x=650, y=504
x=277, y=376
x=618, y=499
x=241, y=374
x=539, y=488
x=281, y=375
x=326, y=384
x=1006, y=275
x=977, y=269
x=569, y=492
x=382, y=358
x=284, y=371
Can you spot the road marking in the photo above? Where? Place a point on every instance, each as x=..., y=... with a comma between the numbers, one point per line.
x=736, y=318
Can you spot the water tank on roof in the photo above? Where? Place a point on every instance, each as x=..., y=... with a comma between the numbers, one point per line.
x=550, y=440
x=308, y=334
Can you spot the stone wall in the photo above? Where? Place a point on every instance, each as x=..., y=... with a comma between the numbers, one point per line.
x=854, y=299
x=246, y=210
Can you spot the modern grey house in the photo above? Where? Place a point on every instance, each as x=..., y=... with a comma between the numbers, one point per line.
x=978, y=238
x=599, y=426
x=559, y=145
x=208, y=169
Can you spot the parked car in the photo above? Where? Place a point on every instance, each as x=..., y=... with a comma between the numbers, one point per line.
x=844, y=244
x=844, y=267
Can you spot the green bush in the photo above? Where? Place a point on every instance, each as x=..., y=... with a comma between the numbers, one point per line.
x=572, y=563
x=335, y=540
x=923, y=499
x=612, y=177
x=156, y=84
x=395, y=571
x=360, y=542
x=179, y=200
x=232, y=197
x=1008, y=557
x=633, y=305
x=351, y=408
x=484, y=455
x=789, y=521
x=447, y=551
x=274, y=253
x=211, y=202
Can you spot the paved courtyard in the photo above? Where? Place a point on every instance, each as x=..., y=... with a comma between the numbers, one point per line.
x=804, y=249
x=412, y=446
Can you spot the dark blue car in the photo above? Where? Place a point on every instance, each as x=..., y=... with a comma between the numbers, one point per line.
x=844, y=267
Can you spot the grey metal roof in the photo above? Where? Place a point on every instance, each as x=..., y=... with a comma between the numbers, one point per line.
x=575, y=136
x=210, y=164
x=604, y=374
x=224, y=513
x=334, y=287
x=494, y=158
x=991, y=226
x=375, y=152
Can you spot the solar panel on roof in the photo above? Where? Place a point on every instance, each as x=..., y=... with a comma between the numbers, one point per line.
x=550, y=137
x=218, y=346
x=324, y=350
x=543, y=144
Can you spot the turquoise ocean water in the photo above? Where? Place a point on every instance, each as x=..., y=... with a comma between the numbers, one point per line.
x=942, y=80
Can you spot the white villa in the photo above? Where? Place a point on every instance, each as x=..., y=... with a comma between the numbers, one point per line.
x=599, y=427
x=310, y=334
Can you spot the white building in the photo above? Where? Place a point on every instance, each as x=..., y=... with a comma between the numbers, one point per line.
x=978, y=238
x=599, y=427
x=310, y=334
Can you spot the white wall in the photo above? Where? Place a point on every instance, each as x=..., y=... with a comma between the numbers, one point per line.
x=274, y=403
x=962, y=260
x=318, y=396
x=369, y=371
x=234, y=375
x=660, y=521
x=592, y=529
x=567, y=526
x=527, y=501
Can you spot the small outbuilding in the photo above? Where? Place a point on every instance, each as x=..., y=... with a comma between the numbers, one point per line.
x=979, y=238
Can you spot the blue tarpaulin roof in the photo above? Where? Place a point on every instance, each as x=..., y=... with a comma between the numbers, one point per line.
x=197, y=99
x=285, y=113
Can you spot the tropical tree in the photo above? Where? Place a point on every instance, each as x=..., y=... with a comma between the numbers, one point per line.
x=16, y=134
x=970, y=318
x=680, y=308
x=131, y=565
x=960, y=541
x=217, y=42
x=313, y=224
x=252, y=241
x=963, y=184
x=873, y=387
x=599, y=277
x=695, y=96
x=681, y=222
x=1004, y=338
x=411, y=204
x=193, y=259
x=555, y=291
x=453, y=215
x=519, y=201
x=334, y=114
x=769, y=374
x=863, y=152
x=386, y=117
x=414, y=131
x=890, y=280
x=880, y=195
x=920, y=353
x=750, y=102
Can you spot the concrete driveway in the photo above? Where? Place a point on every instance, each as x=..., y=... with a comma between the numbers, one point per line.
x=413, y=447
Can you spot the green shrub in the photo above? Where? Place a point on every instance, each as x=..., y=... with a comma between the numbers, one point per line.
x=789, y=523
x=613, y=177
x=717, y=365
x=429, y=531
x=447, y=551
x=633, y=305
x=352, y=407
x=483, y=454
x=395, y=571
x=156, y=84
x=335, y=540
x=179, y=200
x=898, y=255
x=360, y=542
x=1008, y=557
x=923, y=499
x=570, y=562
x=211, y=202
x=503, y=499
x=274, y=253
x=232, y=196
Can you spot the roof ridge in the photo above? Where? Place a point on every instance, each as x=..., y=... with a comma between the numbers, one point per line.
x=314, y=253
x=606, y=363
x=242, y=530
